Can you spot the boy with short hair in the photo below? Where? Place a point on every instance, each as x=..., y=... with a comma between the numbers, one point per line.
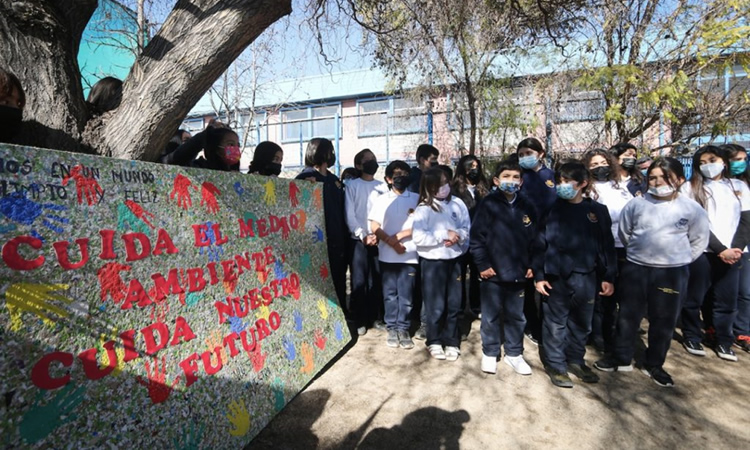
x=501, y=239
x=391, y=221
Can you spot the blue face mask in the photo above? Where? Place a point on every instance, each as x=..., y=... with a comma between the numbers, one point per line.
x=737, y=167
x=528, y=162
x=566, y=191
x=511, y=187
x=644, y=172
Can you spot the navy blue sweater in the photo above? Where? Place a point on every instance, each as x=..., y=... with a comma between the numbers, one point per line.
x=502, y=235
x=576, y=238
x=333, y=207
x=539, y=189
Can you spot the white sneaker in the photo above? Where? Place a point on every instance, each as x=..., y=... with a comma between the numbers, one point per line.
x=436, y=350
x=519, y=365
x=451, y=353
x=489, y=364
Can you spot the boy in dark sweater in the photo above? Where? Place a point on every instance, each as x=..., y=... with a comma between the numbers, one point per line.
x=501, y=238
x=575, y=249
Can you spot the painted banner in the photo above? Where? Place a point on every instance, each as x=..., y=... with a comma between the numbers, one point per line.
x=153, y=306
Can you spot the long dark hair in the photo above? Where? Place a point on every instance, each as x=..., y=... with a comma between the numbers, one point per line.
x=617, y=150
x=263, y=155
x=429, y=185
x=214, y=137
x=460, y=182
x=697, y=179
x=732, y=151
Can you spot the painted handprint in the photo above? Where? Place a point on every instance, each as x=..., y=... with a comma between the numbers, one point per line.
x=318, y=198
x=252, y=218
x=291, y=352
x=270, y=192
x=302, y=217
x=307, y=357
x=213, y=250
x=158, y=392
x=41, y=420
x=35, y=299
x=208, y=197
x=181, y=189
x=318, y=235
x=139, y=212
x=306, y=197
x=263, y=312
x=239, y=189
x=111, y=283
x=277, y=386
x=215, y=342
x=192, y=438
x=323, y=309
x=293, y=194
x=239, y=417
x=87, y=186
x=262, y=275
x=297, y=321
x=278, y=270
x=18, y=208
x=126, y=220
x=237, y=325
x=332, y=303
x=338, y=330
x=323, y=271
x=258, y=358
x=192, y=298
x=320, y=340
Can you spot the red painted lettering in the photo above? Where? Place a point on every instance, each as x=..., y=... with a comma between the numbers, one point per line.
x=17, y=262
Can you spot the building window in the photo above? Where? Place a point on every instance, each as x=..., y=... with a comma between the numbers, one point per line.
x=193, y=125
x=378, y=117
x=255, y=128
x=308, y=122
x=581, y=107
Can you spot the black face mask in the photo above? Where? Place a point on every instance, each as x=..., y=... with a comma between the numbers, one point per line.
x=10, y=123
x=271, y=169
x=601, y=173
x=370, y=167
x=628, y=163
x=473, y=175
x=400, y=183
x=433, y=163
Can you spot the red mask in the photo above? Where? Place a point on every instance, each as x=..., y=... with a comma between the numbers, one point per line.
x=231, y=155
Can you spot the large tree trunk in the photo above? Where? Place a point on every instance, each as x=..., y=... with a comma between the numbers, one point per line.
x=196, y=44
x=39, y=43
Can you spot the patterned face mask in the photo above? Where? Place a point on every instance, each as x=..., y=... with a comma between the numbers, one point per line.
x=231, y=154
x=566, y=191
x=511, y=187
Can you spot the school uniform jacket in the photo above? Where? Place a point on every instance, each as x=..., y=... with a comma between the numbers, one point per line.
x=502, y=235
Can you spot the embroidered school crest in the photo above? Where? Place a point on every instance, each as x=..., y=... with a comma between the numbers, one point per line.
x=526, y=220
x=681, y=223
x=454, y=216
x=592, y=217
x=549, y=183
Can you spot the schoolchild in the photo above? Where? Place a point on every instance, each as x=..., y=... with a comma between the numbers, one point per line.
x=391, y=222
x=627, y=168
x=714, y=277
x=220, y=146
x=366, y=295
x=441, y=234
x=539, y=189
x=663, y=232
x=738, y=170
x=608, y=191
x=574, y=250
x=502, y=233
x=12, y=102
x=267, y=159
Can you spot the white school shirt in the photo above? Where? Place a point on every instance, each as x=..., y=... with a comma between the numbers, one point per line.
x=358, y=201
x=725, y=201
x=614, y=198
x=394, y=213
x=431, y=228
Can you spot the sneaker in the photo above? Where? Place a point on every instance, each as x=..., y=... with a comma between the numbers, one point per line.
x=532, y=339
x=519, y=365
x=404, y=340
x=694, y=348
x=659, y=375
x=559, y=379
x=436, y=350
x=421, y=333
x=743, y=342
x=361, y=331
x=451, y=353
x=392, y=339
x=583, y=372
x=380, y=325
x=489, y=364
x=726, y=353
x=612, y=365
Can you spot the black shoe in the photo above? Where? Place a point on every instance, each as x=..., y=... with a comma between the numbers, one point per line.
x=583, y=372
x=404, y=341
x=726, y=353
x=392, y=339
x=421, y=333
x=379, y=325
x=559, y=379
x=532, y=339
x=659, y=375
x=694, y=348
x=612, y=365
x=743, y=343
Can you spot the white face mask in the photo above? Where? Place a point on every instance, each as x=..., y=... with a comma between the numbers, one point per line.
x=711, y=170
x=443, y=192
x=661, y=191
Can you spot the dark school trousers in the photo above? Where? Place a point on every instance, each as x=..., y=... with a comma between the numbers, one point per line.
x=441, y=297
x=742, y=321
x=658, y=292
x=502, y=316
x=399, y=280
x=470, y=294
x=567, y=319
x=716, y=282
x=605, y=311
x=366, y=298
x=337, y=264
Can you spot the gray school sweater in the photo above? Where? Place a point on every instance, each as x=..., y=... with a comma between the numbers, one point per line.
x=658, y=233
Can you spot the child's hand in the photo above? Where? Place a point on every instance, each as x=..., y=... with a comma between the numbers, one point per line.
x=529, y=273
x=371, y=240
x=543, y=286
x=392, y=241
x=489, y=273
x=607, y=289
x=400, y=249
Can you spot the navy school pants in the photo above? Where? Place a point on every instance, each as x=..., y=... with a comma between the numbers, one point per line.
x=366, y=298
x=441, y=299
x=399, y=280
x=502, y=316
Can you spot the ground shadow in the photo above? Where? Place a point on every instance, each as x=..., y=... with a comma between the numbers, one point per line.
x=428, y=428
